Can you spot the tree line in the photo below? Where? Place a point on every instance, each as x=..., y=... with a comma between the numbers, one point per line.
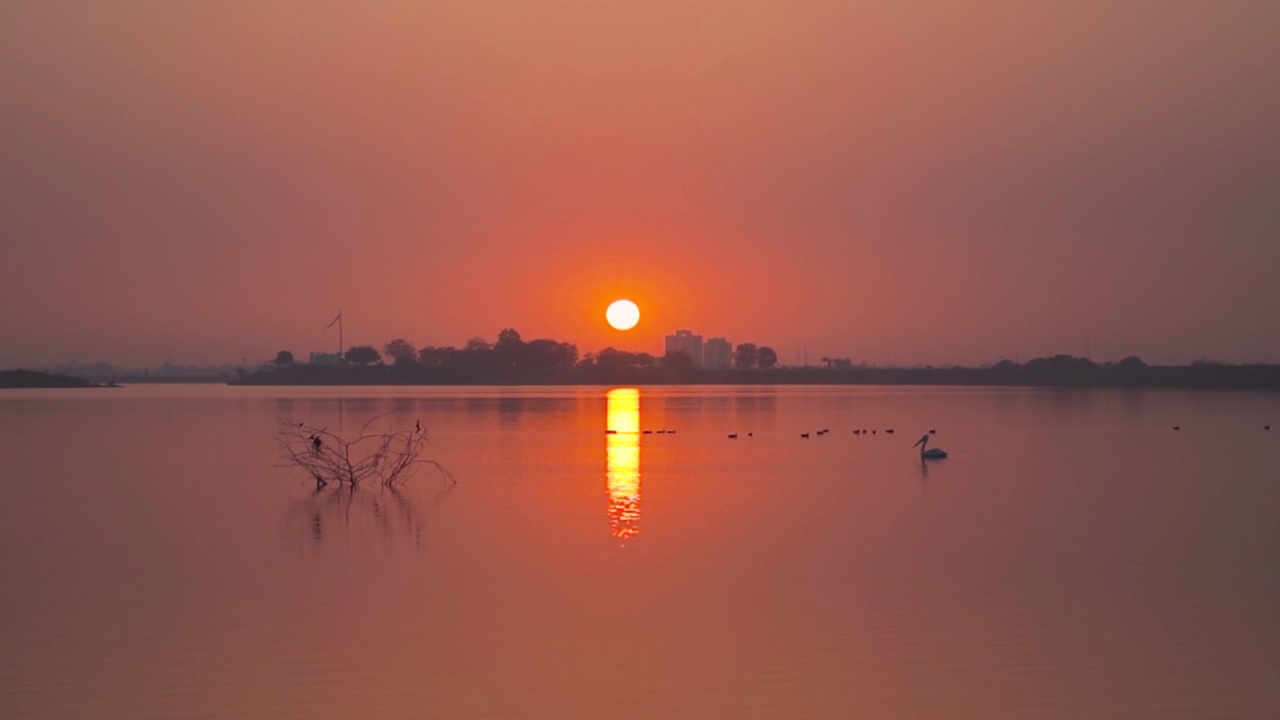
x=511, y=360
x=511, y=352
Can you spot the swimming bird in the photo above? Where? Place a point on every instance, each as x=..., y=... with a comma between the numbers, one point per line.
x=1177, y=427
x=932, y=431
x=1266, y=427
x=926, y=453
x=733, y=436
x=750, y=434
x=804, y=435
x=610, y=432
x=889, y=431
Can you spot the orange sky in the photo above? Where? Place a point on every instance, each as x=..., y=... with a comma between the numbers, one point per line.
x=899, y=181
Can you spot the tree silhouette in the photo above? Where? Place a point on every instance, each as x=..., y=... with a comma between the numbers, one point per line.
x=509, y=336
x=767, y=357
x=546, y=355
x=614, y=359
x=509, y=350
x=437, y=357
x=400, y=351
x=363, y=355
x=746, y=355
x=678, y=362
x=284, y=357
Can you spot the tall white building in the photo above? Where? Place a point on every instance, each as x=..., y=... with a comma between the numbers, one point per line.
x=686, y=342
x=717, y=354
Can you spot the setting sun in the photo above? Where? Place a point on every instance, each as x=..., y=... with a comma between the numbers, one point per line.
x=622, y=314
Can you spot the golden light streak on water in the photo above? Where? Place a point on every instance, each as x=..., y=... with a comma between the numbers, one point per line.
x=622, y=474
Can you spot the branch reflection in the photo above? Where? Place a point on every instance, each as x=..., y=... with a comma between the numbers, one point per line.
x=622, y=452
x=383, y=516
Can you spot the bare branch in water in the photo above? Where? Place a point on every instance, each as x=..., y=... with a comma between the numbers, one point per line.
x=387, y=457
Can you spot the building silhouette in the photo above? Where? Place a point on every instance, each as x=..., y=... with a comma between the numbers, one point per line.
x=717, y=354
x=688, y=343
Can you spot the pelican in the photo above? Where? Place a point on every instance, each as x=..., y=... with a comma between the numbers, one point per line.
x=929, y=454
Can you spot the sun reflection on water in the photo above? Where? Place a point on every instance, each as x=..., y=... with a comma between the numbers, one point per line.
x=622, y=474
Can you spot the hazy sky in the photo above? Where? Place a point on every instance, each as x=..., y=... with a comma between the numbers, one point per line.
x=906, y=181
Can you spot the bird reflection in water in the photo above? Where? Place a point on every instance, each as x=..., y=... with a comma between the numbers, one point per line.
x=622, y=472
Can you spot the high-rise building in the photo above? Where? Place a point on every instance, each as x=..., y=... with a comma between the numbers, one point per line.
x=717, y=354
x=686, y=342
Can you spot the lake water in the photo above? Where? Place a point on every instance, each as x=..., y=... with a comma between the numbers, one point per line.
x=1074, y=557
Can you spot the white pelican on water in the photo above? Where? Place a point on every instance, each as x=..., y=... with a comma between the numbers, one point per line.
x=929, y=454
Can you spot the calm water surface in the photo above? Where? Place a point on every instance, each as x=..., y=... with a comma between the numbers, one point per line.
x=1074, y=557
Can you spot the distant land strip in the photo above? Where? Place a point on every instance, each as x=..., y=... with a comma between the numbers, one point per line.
x=33, y=379
x=1198, y=376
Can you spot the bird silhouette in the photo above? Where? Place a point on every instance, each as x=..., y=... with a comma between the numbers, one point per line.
x=928, y=453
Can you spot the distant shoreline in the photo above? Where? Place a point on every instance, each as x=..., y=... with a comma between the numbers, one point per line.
x=1197, y=377
x=18, y=379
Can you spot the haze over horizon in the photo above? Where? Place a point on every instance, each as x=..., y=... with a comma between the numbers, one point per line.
x=924, y=182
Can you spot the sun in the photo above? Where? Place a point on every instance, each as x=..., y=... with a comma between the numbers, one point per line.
x=622, y=314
